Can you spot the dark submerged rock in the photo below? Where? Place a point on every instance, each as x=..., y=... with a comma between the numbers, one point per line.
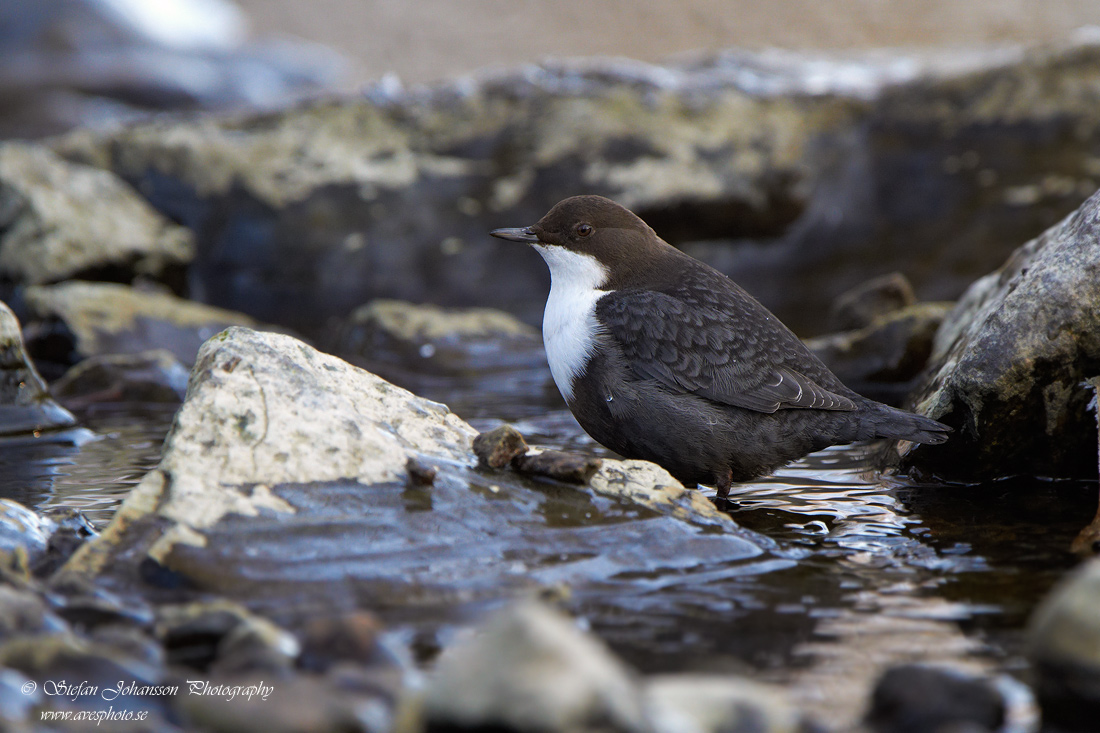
x=862, y=305
x=147, y=376
x=919, y=699
x=883, y=359
x=1011, y=363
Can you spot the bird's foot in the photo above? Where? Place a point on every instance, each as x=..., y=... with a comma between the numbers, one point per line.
x=722, y=489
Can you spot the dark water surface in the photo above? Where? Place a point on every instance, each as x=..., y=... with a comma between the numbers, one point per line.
x=854, y=572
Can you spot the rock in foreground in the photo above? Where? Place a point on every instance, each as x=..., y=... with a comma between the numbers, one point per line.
x=1064, y=641
x=528, y=668
x=1011, y=363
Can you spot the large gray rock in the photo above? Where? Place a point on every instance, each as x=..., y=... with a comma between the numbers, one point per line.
x=60, y=220
x=25, y=405
x=1012, y=362
x=442, y=341
x=799, y=176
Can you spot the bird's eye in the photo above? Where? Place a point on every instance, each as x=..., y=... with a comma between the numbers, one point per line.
x=583, y=230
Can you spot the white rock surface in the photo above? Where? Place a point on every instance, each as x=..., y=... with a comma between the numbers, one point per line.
x=264, y=409
x=529, y=668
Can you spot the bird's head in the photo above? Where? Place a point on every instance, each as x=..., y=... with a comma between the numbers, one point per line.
x=589, y=236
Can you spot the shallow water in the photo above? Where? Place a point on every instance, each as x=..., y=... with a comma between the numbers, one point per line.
x=858, y=571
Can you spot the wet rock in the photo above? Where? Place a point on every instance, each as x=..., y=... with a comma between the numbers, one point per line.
x=62, y=657
x=711, y=704
x=21, y=527
x=224, y=637
x=25, y=405
x=24, y=613
x=147, y=376
x=572, y=468
x=70, y=530
x=105, y=318
x=862, y=305
x=60, y=220
x=528, y=668
x=130, y=642
x=499, y=447
x=920, y=699
x=87, y=607
x=444, y=341
x=420, y=474
x=801, y=177
x=883, y=359
x=651, y=486
x=1011, y=363
x=1064, y=649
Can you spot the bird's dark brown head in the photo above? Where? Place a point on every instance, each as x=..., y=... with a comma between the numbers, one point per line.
x=600, y=228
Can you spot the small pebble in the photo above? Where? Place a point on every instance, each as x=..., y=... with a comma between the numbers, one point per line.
x=573, y=468
x=498, y=447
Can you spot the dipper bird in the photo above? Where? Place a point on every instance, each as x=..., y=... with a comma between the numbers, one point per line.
x=664, y=358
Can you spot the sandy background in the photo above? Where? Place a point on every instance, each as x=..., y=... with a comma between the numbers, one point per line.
x=424, y=40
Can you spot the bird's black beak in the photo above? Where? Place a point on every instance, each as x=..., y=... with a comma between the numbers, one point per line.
x=526, y=234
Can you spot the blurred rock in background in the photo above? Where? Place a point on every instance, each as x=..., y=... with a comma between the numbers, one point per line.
x=92, y=62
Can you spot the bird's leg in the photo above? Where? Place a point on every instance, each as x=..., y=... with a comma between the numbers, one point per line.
x=722, y=483
x=725, y=480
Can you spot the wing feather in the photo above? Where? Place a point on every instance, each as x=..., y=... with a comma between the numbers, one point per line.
x=696, y=347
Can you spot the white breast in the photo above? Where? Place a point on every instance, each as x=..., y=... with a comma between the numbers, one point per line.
x=569, y=325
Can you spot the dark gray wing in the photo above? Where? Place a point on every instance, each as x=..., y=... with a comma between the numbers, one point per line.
x=697, y=348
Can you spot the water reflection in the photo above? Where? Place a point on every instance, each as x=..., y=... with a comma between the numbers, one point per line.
x=91, y=468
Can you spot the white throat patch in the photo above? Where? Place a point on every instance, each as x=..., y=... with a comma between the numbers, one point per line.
x=569, y=325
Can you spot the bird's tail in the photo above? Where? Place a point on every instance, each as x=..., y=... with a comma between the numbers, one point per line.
x=896, y=424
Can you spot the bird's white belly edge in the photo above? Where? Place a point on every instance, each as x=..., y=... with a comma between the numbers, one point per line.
x=569, y=324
